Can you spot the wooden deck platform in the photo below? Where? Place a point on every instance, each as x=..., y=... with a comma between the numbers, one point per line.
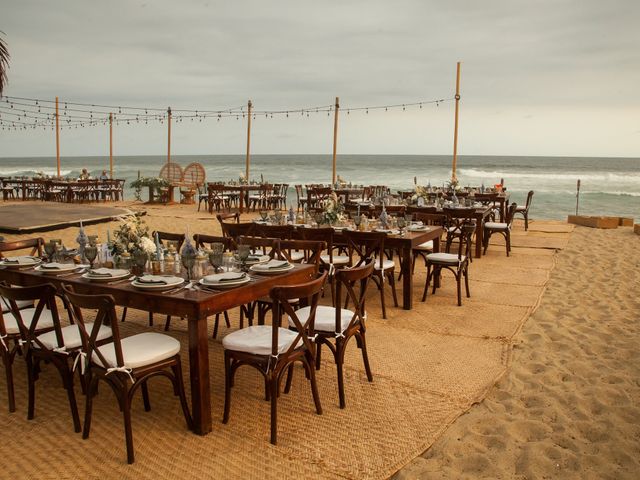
x=42, y=216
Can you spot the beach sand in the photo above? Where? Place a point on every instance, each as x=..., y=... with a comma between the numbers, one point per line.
x=568, y=407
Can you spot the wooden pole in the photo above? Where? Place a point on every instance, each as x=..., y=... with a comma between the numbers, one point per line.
x=248, y=160
x=455, y=128
x=57, y=138
x=169, y=135
x=335, y=140
x=111, y=146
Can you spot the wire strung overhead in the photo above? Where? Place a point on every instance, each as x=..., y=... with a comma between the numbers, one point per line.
x=21, y=113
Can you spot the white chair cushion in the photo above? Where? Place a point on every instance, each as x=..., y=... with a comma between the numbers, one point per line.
x=521, y=208
x=337, y=259
x=325, y=318
x=257, y=340
x=71, y=336
x=386, y=264
x=20, y=303
x=448, y=258
x=496, y=226
x=11, y=324
x=425, y=246
x=297, y=256
x=140, y=350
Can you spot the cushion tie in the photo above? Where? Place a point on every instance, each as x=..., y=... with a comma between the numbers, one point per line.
x=61, y=349
x=123, y=370
x=4, y=345
x=339, y=335
x=82, y=362
x=275, y=357
x=23, y=342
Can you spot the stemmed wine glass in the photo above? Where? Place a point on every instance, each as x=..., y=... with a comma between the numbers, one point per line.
x=357, y=219
x=243, y=255
x=188, y=261
x=50, y=249
x=319, y=217
x=91, y=252
x=264, y=214
x=401, y=224
x=215, y=256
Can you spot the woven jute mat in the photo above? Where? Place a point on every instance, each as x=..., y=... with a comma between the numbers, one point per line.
x=430, y=365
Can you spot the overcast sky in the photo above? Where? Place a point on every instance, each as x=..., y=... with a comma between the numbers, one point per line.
x=553, y=77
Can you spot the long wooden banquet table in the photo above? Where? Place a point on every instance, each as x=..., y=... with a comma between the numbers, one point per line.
x=194, y=305
x=244, y=193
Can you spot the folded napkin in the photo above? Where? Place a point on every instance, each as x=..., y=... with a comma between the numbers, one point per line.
x=19, y=260
x=254, y=258
x=152, y=280
x=272, y=264
x=52, y=266
x=225, y=277
x=107, y=272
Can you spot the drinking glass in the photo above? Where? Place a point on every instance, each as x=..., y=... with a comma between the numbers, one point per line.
x=227, y=261
x=264, y=214
x=50, y=249
x=188, y=261
x=91, y=252
x=401, y=224
x=243, y=254
x=215, y=259
x=357, y=219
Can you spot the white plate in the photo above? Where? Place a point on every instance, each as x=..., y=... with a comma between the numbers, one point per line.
x=61, y=268
x=23, y=261
x=418, y=228
x=271, y=271
x=210, y=280
x=170, y=282
x=116, y=275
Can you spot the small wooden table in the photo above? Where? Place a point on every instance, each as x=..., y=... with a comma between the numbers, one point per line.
x=195, y=305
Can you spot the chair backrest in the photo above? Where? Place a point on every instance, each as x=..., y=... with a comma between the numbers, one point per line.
x=35, y=244
x=299, y=193
x=194, y=174
x=177, y=238
x=456, y=217
x=529, y=200
x=43, y=297
x=464, y=240
x=438, y=219
x=171, y=172
x=235, y=230
x=215, y=190
x=312, y=251
x=201, y=240
x=348, y=278
x=268, y=246
x=320, y=235
x=367, y=245
x=280, y=296
x=106, y=315
x=511, y=213
x=223, y=217
x=283, y=232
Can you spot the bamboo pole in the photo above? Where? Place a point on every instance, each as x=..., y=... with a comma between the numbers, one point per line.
x=57, y=138
x=335, y=140
x=169, y=135
x=248, y=160
x=111, y=146
x=455, y=128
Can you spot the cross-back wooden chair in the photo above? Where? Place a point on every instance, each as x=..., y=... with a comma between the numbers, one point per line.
x=36, y=245
x=335, y=326
x=431, y=219
x=368, y=246
x=217, y=197
x=311, y=251
x=458, y=264
x=524, y=210
x=228, y=217
x=301, y=197
x=235, y=230
x=125, y=364
x=271, y=349
x=456, y=218
x=503, y=228
x=262, y=198
x=15, y=324
x=281, y=232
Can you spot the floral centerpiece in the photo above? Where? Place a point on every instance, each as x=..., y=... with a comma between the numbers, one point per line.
x=133, y=237
x=332, y=209
x=157, y=183
x=420, y=192
x=242, y=179
x=453, y=185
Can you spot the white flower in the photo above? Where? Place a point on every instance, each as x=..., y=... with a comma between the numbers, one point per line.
x=147, y=245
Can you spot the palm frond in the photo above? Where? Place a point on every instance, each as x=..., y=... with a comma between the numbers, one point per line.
x=4, y=64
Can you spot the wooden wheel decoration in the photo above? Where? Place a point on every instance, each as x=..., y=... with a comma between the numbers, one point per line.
x=172, y=172
x=194, y=175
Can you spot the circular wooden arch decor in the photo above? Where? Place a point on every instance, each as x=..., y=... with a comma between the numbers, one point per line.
x=194, y=174
x=171, y=172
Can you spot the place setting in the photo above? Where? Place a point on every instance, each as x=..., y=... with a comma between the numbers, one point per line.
x=20, y=262
x=224, y=280
x=60, y=269
x=157, y=282
x=106, y=275
x=272, y=267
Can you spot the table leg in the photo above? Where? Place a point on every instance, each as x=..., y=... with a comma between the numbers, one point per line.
x=436, y=249
x=199, y=375
x=241, y=207
x=479, y=236
x=407, y=278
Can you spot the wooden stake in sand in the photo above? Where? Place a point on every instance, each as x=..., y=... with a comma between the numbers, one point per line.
x=335, y=140
x=577, y=196
x=248, y=159
x=455, y=128
x=57, y=138
x=111, y=146
x=169, y=135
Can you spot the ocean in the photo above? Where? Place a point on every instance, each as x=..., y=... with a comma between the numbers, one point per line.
x=609, y=186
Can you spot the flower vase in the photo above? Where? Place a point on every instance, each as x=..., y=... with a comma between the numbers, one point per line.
x=140, y=259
